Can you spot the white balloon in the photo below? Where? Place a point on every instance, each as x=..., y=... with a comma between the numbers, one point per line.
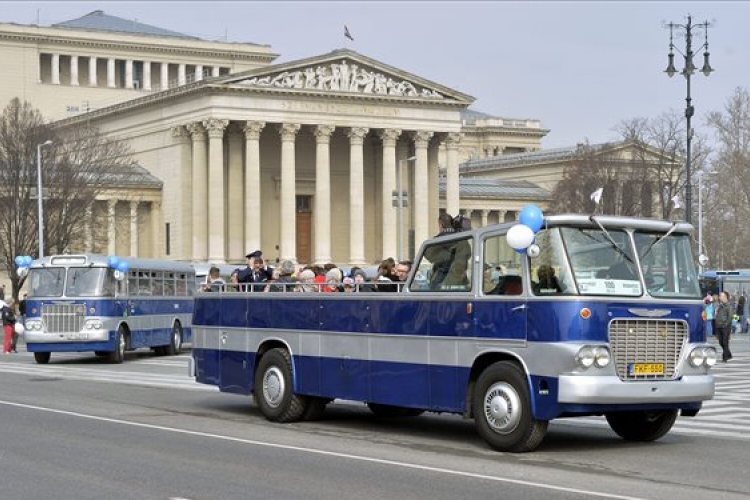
x=520, y=236
x=22, y=272
x=18, y=327
x=533, y=250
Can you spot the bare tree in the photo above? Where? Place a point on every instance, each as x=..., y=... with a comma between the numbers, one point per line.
x=78, y=165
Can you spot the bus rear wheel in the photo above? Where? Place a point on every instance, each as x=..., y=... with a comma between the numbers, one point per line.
x=502, y=409
x=42, y=358
x=273, y=388
x=641, y=425
x=121, y=345
x=175, y=343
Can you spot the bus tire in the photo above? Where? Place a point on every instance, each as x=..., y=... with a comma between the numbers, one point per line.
x=121, y=345
x=502, y=409
x=175, y=344
x=641, y=425
x=42, y=358
x=273, y=388
x=390, y=411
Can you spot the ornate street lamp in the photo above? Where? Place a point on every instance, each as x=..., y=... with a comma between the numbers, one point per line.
x=687, y=71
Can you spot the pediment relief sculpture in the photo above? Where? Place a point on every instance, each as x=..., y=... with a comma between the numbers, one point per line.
x=342, y=77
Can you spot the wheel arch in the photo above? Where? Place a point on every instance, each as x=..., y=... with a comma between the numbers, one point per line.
x=276, y=343
x=481, y=363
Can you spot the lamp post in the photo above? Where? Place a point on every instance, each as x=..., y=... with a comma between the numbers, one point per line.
x=39, y=194
x=400, y=198
x=701, y=256
x=687, y=72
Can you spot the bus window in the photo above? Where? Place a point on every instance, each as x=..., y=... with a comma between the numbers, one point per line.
x=502, y=274
x=549, y=270
x=85, y=281
x=46, y=282
x=447, y=265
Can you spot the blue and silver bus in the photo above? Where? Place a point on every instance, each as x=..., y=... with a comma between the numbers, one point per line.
x=107, y=305
x=733, y=281
x=592, y=315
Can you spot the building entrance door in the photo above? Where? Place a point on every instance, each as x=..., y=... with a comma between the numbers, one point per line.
x=304, y=229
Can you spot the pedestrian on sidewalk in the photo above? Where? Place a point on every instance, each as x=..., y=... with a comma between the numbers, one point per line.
x=9, y=321
x=724, y=314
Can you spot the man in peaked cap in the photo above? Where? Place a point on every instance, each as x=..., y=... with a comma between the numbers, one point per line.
x=252, y=273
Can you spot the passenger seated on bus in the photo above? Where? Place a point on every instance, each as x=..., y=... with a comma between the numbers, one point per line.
x=457, y=278
x=548, y=282
x=507, y=285
x=214, y=281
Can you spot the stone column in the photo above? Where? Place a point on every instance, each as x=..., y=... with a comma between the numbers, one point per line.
x=252, y=185
x=433, y=181
x=156, y=224
x=451, y=173
x=181, y=76
x=164, y=77
x=323, y=193
x=93, y=76
x=134, y=229
x=198, y=72
x=74, y=70
x=111, y=233
x=146, y=75
x=128, y=73
x=215, y=72
x=390, y=214
x=88, y=243
x=184, y=223
x=235, y=200
x=421, y=205
x=356, y=196
x=288, y=247
x=111, y=72
x=199, y=202
x=484, y=214
x=216, y=195
x=55, y=69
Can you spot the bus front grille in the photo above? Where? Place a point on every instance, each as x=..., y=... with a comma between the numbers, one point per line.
x=646, y=349
x=63, y=318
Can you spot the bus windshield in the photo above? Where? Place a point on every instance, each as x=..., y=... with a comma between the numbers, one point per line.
x=46, y=282
x=605, y=262
x=89, y=282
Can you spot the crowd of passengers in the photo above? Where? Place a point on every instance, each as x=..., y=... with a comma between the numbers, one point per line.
x=328, y=278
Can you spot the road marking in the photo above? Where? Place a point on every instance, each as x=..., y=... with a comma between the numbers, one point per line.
x=347, y=456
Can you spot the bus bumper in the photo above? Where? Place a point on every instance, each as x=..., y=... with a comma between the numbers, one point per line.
x=579, y=389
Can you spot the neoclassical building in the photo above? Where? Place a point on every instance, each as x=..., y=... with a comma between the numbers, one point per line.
x=303, y=159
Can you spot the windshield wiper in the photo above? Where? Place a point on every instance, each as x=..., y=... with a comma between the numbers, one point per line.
x=652, y=245
x=611, y=240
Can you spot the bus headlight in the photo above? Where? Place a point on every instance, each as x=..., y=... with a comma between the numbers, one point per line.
x=589, y=356
x=93, y=324
x=33, y=325
x=702, y=356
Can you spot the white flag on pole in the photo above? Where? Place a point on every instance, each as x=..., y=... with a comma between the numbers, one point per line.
x=596, y=196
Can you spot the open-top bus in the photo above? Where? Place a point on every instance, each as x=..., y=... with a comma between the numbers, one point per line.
x=107, y=305
x=599, y=315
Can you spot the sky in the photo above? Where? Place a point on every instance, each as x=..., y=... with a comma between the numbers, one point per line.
x=581, y=68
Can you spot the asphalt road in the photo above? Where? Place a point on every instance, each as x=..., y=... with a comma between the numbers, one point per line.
x=80, y=428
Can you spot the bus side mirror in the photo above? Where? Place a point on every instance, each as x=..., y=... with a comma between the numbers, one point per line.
x=702, y=259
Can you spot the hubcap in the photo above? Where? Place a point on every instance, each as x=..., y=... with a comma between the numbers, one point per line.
x=273, y=386
x=502, y=408
x=176, y=338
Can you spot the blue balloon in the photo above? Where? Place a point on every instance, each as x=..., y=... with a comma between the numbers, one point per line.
x=27, y=260
x=112, y=261
x=123, y=266
x=532, y=216
x=19, y=260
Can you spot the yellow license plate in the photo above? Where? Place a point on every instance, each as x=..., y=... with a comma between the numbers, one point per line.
x=646, y=368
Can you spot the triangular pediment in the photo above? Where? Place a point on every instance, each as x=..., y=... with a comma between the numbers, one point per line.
x=347, y=72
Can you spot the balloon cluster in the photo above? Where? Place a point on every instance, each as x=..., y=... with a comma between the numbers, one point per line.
x=521, y=236
x=120, y=266
x=23, y=262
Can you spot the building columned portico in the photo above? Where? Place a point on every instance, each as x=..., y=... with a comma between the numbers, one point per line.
x=299, y=159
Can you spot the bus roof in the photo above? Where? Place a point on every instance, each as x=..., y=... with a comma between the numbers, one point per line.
x=96, y=260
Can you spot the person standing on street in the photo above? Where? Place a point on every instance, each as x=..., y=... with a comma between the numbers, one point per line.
x=724, y=315
x=9, y=322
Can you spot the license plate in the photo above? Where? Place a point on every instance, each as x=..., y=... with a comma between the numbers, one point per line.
x=77, y=336
x=646, y=369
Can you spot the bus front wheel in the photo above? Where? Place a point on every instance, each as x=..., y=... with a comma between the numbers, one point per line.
x=273, y=388
x=641, y=425
x=121, y=345
x=502, y=409
x=42, y=358
x=176, y=343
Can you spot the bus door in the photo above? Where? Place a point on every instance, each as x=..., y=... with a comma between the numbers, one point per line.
x=500, y=310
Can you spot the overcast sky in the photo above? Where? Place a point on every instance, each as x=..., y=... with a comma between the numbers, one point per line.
x=578, y=67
